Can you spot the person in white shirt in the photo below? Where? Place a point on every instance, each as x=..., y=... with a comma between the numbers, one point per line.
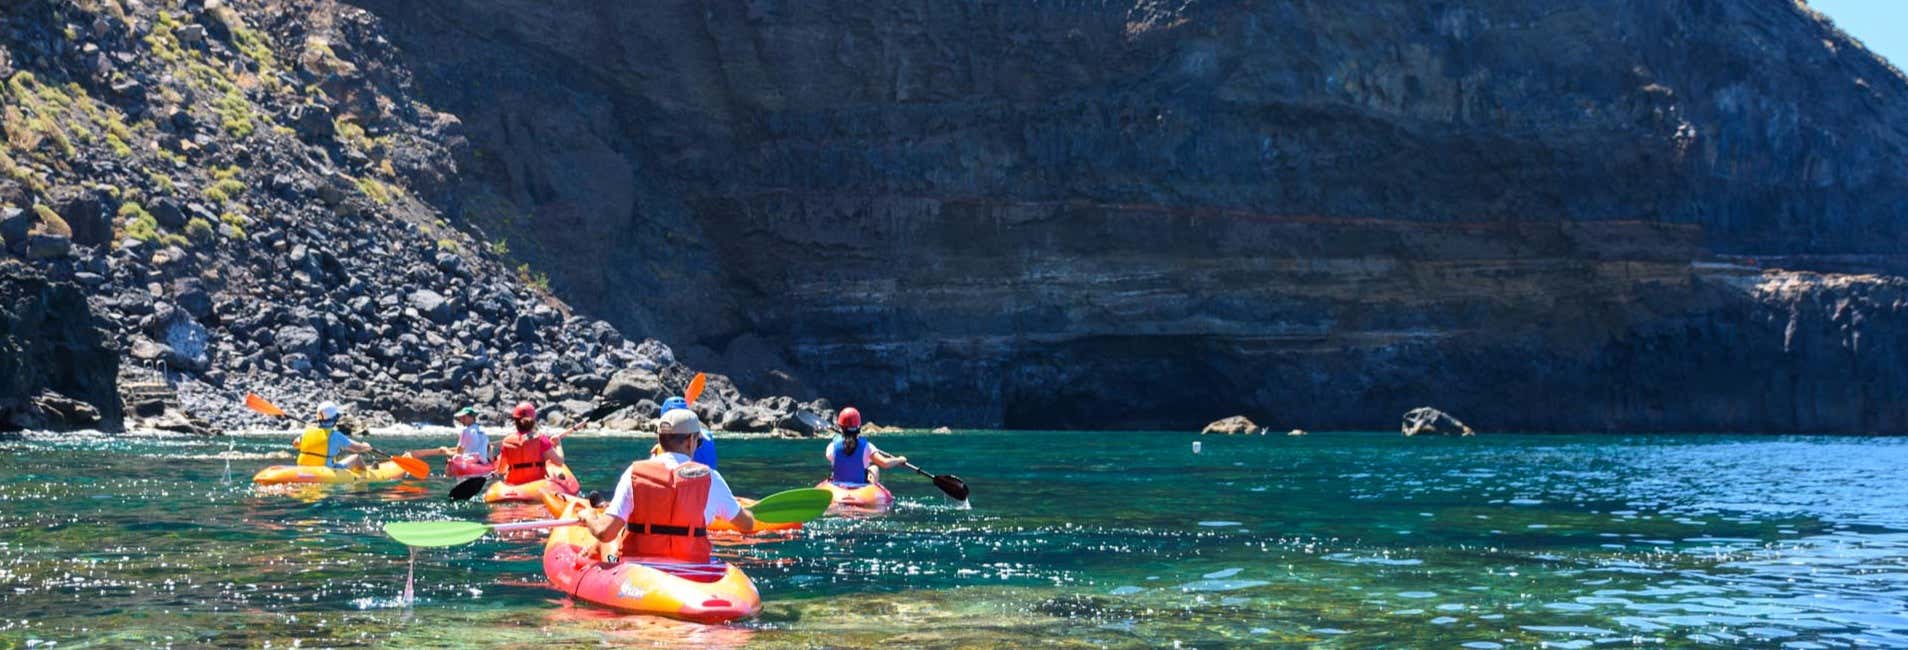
x=666, y=501
x=472, y=442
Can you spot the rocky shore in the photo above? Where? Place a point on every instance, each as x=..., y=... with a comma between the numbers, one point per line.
x=224, y=198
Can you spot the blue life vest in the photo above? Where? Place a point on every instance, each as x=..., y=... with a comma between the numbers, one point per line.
x=849, y=470
x=705, y=450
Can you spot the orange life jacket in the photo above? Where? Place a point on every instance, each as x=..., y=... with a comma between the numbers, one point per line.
x=666, y=511
x=522, y=460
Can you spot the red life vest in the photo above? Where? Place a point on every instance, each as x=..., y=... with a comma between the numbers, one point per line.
x=666, y=511
x=522, y=458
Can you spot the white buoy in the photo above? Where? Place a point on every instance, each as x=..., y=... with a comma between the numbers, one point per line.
x=1195, y=446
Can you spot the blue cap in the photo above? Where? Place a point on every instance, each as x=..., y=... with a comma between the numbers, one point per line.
x=674, y=403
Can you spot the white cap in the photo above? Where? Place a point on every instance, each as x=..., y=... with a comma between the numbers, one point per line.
x=678, y=422
x=328, y=411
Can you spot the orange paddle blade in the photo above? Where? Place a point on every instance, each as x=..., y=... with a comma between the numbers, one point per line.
x=416, y=468
x=256, y=403
x=695, y=388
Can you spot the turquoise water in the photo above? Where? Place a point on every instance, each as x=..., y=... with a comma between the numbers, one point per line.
x=1120, y=539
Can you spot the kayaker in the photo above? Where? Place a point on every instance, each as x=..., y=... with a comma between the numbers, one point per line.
x=705, y=447
x=473, y=445
x=322, y=443
x=666, y=501
x=856, y=461
x=522, y=457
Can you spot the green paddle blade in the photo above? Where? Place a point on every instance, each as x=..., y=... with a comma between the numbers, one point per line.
x=793, y=505
x=435, y=533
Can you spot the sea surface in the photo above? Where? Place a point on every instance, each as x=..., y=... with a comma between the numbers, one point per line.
x=1087, y=539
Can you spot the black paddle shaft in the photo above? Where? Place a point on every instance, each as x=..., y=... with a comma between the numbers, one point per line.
x=952, y=485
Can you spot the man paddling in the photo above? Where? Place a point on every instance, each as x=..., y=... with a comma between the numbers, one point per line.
x=705, y=445
x=473, y=445
x=523, y=455
x=666, y=501
x=856, y=462
x=322, y=442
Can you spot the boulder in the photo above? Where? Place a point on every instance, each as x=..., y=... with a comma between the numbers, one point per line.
x=191, y=295
x=89, y=215
x=297, y=339
x=432, y=305
x=15, y=224
x=631, y=386
x=1235, y=425
x=805, y=423
x=42, y=246
x=167, y=212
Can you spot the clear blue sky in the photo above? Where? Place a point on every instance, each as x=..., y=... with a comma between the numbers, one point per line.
x=1882, y=25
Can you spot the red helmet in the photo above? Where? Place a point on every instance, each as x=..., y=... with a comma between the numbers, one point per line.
x=849, y=418
x=524, y=411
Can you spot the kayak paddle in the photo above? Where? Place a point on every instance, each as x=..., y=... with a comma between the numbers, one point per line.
x=949, y=483
x=416, y=468
x=452, y=533
x=694, y=390
x=256, y=403
x=469, y=487
x=790, y=506
x=782, y=507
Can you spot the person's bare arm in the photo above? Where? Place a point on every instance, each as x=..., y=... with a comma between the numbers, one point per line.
x=744, y=521
x=553, y=455
x=889, y=461
x=605, y=527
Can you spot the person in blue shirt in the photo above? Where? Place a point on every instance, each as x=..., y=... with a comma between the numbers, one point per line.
x=705, y=448
x=855, y=462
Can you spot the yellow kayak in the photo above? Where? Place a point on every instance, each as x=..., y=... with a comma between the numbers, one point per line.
x=283, y=474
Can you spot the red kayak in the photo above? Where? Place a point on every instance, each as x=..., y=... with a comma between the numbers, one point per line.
x=467, y=466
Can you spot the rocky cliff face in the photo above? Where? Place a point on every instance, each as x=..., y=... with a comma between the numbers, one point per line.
x=1152, y=214
x=229, y=190
x=1024, y=214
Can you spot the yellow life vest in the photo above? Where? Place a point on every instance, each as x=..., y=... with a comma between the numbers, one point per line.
x=314, y=447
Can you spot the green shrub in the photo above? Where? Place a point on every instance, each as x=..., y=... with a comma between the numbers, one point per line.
x=137, y=222
x=50, y=222
x=500, y=247
x=161, y=181
x=224, y=190
x=120, y=148
x=199, y=230
x=541, y=281
x=236, y=222
x=235, y=114
x=225, y=173
x=374, y=189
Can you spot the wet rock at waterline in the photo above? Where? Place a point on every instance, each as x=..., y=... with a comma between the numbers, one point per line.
x=1235, y=425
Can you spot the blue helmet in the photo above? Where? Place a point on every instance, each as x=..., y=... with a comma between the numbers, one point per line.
x=674, y=403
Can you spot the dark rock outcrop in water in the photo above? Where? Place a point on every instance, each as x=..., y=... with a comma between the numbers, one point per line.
x=1032, y=214
x=55, y=369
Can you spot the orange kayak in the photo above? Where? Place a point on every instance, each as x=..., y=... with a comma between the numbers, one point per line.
x=870, y=495
x=712, y=592
x=558, y=480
